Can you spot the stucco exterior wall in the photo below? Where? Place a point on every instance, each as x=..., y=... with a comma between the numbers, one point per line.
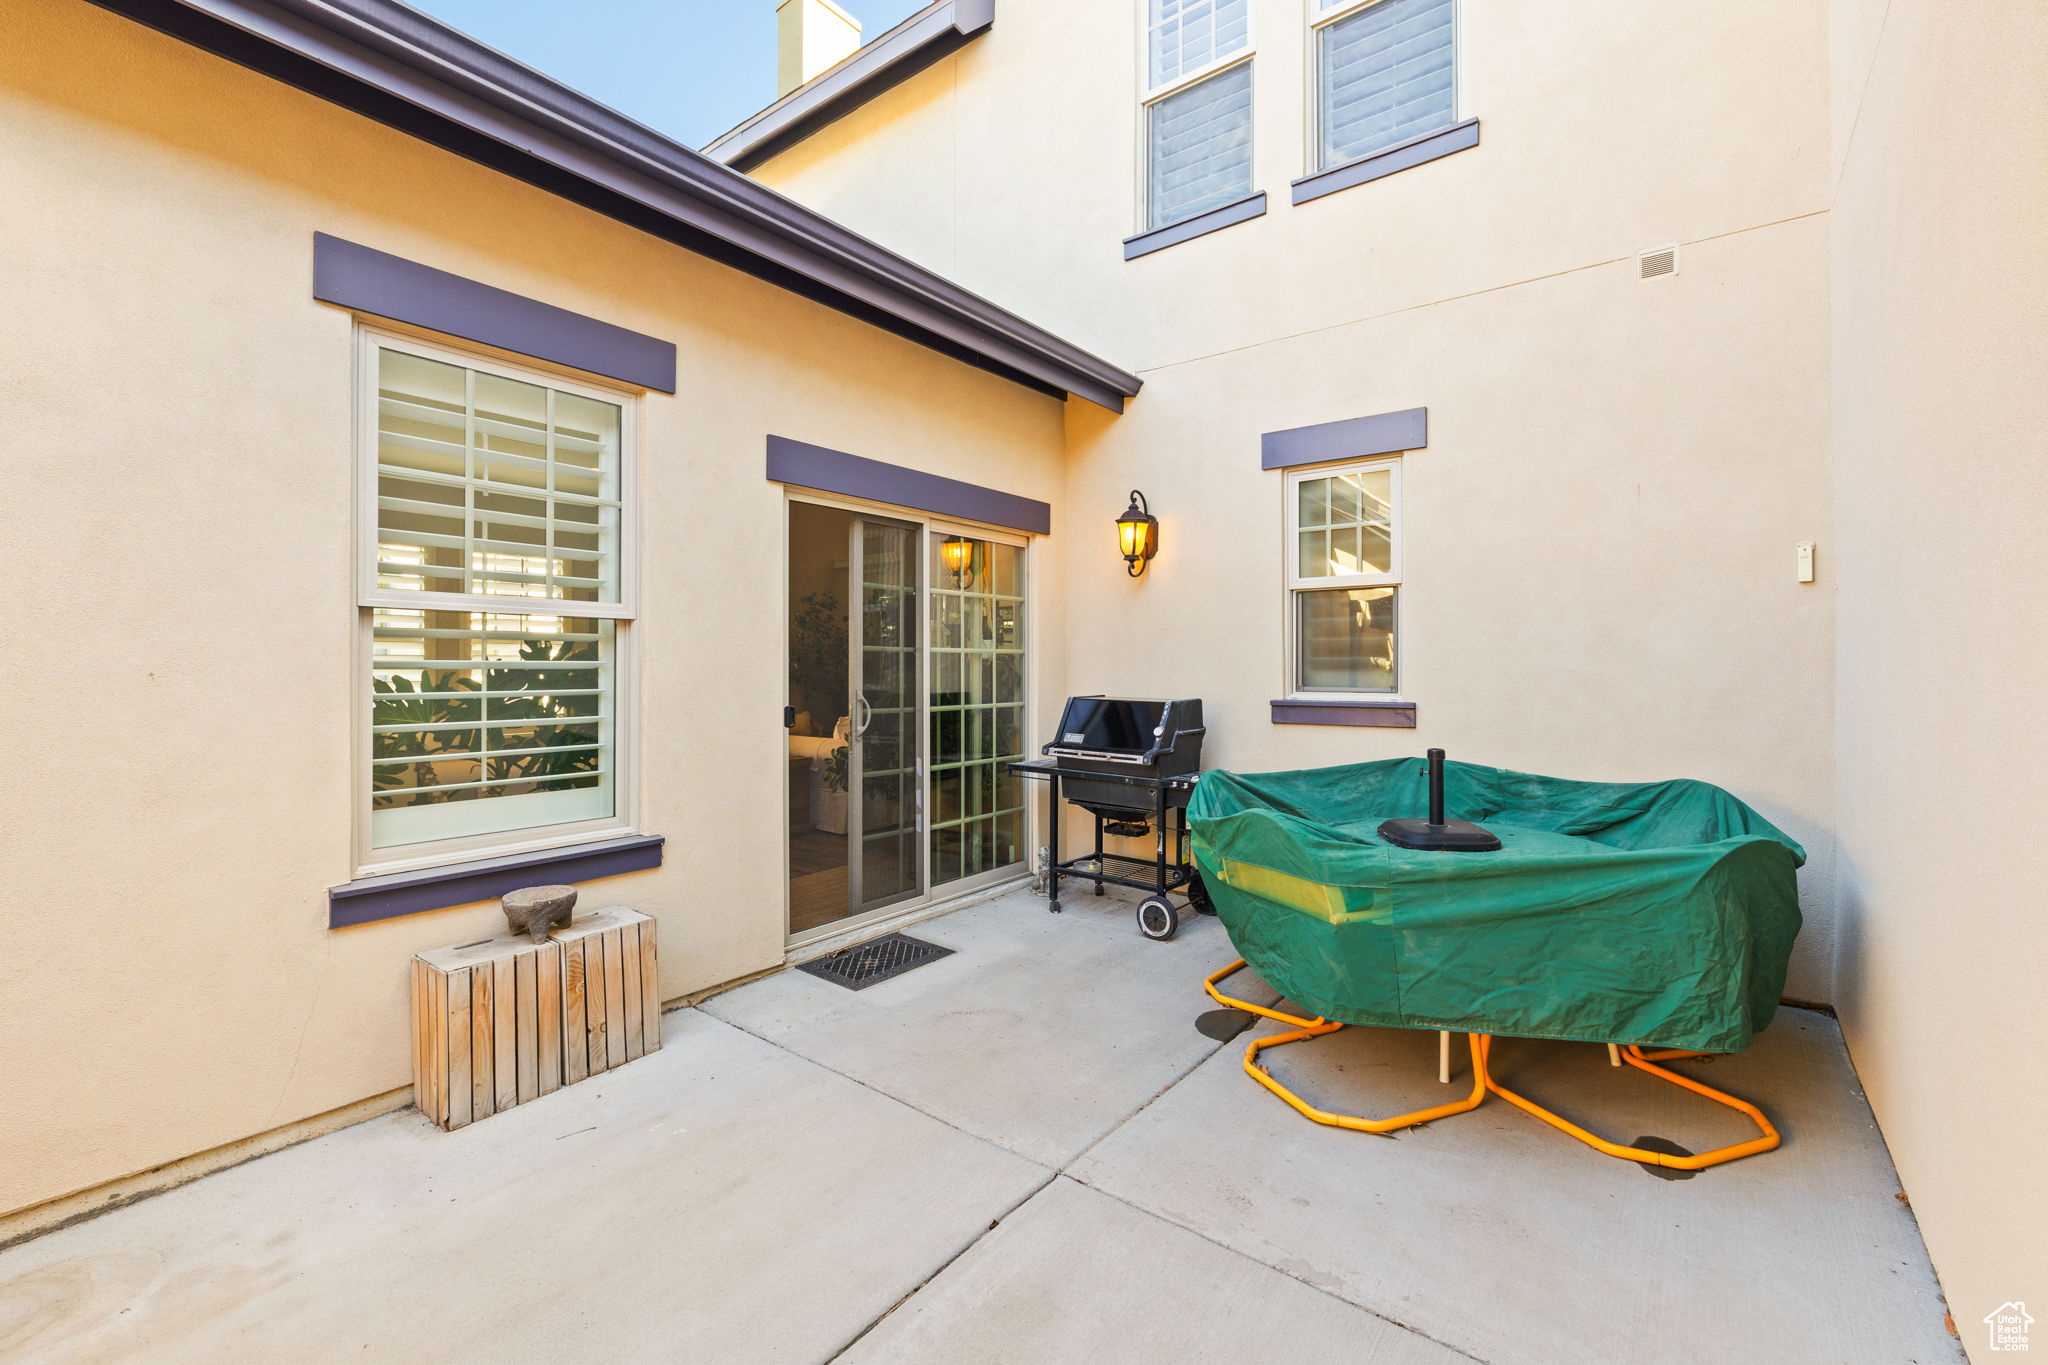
x=1940, y=349
x=179, y=508
x=1600, y=562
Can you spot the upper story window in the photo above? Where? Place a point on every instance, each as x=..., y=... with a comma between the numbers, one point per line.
x=1344, y=577
x=1198, y=107
x=1385, y=72
x=494, y=601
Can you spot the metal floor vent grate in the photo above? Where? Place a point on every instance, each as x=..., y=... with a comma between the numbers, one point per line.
x=862, y=965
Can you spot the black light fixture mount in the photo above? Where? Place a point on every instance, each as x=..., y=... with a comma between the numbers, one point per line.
x=1137, y=534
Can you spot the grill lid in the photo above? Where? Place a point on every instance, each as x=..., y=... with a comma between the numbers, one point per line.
x=1152, y=731
x=1128, y=725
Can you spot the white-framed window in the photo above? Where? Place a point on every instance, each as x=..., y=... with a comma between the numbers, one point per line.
x=1344, y=578
x=495, y=596
x=1197, y=107
x=1384, y=71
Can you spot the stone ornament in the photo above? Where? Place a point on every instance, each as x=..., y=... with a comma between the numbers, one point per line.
x=538, y=910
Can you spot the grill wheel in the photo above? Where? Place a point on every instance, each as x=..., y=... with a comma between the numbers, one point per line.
x=1157, y=918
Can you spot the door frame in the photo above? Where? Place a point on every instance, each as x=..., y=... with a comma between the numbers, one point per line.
x=856, y=676
x=927, y=523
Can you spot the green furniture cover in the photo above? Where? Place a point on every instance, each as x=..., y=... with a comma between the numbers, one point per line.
x=1661, y=913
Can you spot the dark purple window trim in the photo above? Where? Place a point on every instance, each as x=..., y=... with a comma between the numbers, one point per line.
x=833, y=471
x=1400, y=157
x=1391, y=715
x=372, y=281
x=1385, y=433
x=408, y=893
x=1201, y=225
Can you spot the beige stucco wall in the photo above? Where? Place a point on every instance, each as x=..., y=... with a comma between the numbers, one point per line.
x=1600, y=560
x=177, y=490
x=1941, y=352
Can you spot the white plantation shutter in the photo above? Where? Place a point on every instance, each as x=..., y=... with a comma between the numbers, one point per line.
x=1386, y=75
x=1200, y=147
x=489, y=486
x=498, y=558
x=1187, y=35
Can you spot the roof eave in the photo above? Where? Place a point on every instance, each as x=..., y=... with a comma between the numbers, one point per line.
x=401, y=68
x=926, y=37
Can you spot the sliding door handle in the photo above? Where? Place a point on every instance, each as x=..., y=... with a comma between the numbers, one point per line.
x=863, y=714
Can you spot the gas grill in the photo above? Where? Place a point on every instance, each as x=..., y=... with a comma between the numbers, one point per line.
x=1130, y=762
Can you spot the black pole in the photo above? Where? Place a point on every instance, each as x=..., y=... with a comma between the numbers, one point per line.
x=1436, y=788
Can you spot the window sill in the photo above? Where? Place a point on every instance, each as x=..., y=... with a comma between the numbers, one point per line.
x=1389, y=715
x=1215, y=220
x=393, y=894
x=1399, y=157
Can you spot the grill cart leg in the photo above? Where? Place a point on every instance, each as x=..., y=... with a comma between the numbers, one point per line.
x=1197, y=894
x=1052, y=841
x=1157, y=919
x=1099, y=888
x=1159, y=845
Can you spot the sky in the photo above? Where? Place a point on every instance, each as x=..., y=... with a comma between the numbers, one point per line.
x=687, y=68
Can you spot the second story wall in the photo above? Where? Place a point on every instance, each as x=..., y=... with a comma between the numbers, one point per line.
x=1605, y=127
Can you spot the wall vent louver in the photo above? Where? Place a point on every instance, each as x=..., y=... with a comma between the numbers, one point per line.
x=1656, y=262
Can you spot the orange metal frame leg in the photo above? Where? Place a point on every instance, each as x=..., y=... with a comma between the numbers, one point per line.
x=1641, y=1061
x=1316, y=1028
x=1353, y=1121
x=1211, y=981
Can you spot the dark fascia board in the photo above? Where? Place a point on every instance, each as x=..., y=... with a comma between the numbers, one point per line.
x=371, y=281
x=1201, y=225
x=401, y=68
x=854, y=476
x=1385, y=715
x=1414, y=152
x=933, y=33
x=393, y=894
x=1355, y=438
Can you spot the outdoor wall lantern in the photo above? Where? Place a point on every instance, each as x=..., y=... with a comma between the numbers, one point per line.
x=957, y=552
x=1137, y=534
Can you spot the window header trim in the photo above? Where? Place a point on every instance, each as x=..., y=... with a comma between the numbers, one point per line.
x=854, y=476
x=1355, y=438
x=362, y=278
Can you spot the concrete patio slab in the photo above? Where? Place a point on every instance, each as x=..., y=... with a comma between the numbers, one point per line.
x=728, y=1199
x=719, y=1200
x=1041, y=1033
x=1075, y=1275
x=1506, y=1239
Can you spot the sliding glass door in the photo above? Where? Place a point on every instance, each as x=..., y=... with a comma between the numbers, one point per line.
x=977, y=706
x=885, y=758
x=905, y=705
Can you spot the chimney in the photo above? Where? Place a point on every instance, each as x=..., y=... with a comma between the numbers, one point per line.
x=811, y=36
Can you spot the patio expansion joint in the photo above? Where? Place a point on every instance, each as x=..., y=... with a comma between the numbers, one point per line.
x=893, y=1099
x=1324, y=1290
x=942, y=1267
x=1066, y=1170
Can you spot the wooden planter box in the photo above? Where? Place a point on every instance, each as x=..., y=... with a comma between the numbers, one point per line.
x=505, y=1020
